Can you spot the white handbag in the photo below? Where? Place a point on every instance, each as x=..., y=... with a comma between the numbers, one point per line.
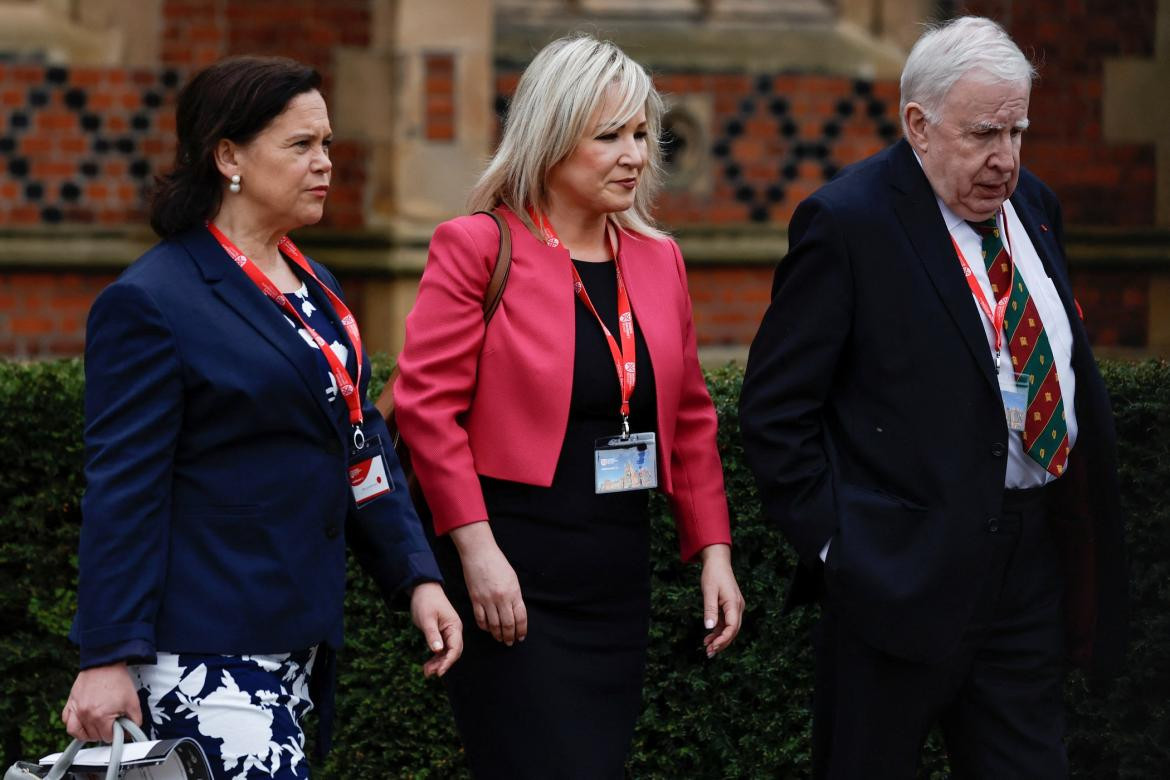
x=143, y=759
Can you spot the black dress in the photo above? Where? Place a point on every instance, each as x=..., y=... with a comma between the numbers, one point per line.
x=563, y=703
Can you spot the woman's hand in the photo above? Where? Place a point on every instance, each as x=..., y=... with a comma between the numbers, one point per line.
x=491, y=583
x=100, y=695
x=440, y=624
x=722, y=601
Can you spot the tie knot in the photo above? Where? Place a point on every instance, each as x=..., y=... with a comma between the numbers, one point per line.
x=984, y=226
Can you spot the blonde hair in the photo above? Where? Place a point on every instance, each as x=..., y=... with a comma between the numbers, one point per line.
x=558, y=97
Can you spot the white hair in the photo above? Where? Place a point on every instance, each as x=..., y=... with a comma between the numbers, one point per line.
x=947, y=52
x=555, y=108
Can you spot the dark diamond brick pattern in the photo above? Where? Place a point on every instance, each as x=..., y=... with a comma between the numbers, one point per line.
x=799, y=154
x=81, y=144
x=774, y=138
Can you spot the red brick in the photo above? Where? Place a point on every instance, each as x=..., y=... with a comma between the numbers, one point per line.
x=439, y=84
x=30, y=325
x=440, y=104
x=86, y=77
x=27, y=74
x=49, y=121
x=45, y=169
x=33, y=145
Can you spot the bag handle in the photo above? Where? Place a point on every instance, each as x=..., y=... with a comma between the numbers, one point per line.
x=493, y=294
x=122, y=726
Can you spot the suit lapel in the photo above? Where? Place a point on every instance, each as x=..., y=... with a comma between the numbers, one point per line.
x=230, y=284
x=918, y=213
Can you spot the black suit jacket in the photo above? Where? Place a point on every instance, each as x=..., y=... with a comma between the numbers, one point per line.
x=871, y=415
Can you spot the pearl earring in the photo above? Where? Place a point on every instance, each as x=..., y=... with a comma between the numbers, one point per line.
x=235, y=185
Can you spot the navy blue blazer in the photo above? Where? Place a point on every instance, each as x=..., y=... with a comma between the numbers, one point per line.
x=871, y=415
x=217, y=506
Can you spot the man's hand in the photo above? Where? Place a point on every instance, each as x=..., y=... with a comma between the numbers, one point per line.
x=100, y=695
x=440, y=624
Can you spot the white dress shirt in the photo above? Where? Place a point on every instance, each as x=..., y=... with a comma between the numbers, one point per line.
x=1022, y=471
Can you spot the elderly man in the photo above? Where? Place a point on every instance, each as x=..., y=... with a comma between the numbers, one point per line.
x=925, y=419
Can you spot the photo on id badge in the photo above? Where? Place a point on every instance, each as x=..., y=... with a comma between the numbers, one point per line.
x=625, y=464
x=1015, y=400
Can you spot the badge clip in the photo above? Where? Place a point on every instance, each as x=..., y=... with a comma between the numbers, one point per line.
x=359, y=438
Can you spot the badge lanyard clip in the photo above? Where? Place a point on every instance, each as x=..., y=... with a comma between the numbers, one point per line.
x=359, y=438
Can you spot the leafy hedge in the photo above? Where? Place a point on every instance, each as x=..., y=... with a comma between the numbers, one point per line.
x=745, y=714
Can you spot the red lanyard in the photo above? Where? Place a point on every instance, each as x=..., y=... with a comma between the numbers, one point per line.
x=997, y=317
x=345, y=384
x=624, y=360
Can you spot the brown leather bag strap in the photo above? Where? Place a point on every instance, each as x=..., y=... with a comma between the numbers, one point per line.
x=493, y=294
x=495, y=288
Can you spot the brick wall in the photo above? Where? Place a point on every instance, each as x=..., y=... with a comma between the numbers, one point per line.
x=1099, y=183
x=43, y=314
x=81, y=146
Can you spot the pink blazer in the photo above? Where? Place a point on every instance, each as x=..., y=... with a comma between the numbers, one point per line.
x=496, y=403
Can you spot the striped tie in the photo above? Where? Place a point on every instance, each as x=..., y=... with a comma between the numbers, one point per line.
x=1045, y=430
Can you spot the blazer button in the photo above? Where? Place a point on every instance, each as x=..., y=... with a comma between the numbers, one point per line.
x=331, y=531
x=997, y=449
x=993, y=525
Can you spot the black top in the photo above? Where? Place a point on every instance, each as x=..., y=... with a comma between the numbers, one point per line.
x=594, y=412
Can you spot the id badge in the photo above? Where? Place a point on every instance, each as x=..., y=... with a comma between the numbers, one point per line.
x=1015, y=400
x=368, y=476
x=625, y=464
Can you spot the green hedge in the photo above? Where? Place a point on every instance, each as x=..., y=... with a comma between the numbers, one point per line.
x=746, y=714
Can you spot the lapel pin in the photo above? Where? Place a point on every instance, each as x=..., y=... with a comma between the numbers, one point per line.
x=1043, y=227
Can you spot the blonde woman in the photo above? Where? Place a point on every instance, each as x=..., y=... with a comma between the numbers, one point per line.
x=538, y=438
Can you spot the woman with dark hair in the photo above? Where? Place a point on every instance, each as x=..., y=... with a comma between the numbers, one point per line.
x=230, y=449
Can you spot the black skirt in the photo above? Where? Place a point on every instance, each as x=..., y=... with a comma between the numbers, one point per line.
x=564, y=702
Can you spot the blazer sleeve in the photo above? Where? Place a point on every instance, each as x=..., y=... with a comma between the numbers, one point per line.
x=133, y=413
x=791, y=368
x=437, y=373
x=698, y=497
x=386, y=535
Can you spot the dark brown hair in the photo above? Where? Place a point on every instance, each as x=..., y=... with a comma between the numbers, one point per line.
x=235, y=99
